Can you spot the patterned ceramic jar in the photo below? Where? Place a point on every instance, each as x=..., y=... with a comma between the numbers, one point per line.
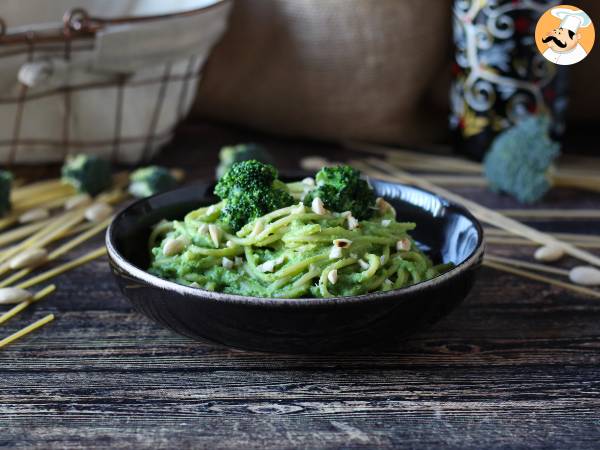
x=498, y=74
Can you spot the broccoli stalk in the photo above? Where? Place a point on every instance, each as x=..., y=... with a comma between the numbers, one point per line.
x=87, y=173
x=342, y=189
x=241, y=152
x=250, y=189
x=151, y=180
x=5, y=186
x=520, y=159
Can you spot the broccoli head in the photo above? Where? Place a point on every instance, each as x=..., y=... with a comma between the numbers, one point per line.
x=342, y=189
x=5, y=186
x=151, y=180
x=87, y=173
x=250, y=189
x=241, y=152
x=519, y=160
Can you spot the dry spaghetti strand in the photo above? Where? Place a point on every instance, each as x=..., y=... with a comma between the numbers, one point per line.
x=25, y=331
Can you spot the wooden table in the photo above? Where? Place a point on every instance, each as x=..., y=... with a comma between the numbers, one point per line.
x=517, y=365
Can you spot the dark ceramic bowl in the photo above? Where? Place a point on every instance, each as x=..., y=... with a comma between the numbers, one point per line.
x=447, y=232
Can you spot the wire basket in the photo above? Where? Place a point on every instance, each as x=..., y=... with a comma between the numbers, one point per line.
x=116, y=87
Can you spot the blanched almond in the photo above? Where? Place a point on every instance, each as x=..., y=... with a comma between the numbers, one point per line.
x=215, y=234
x=98, y=211
x=317, y=206
x=227, y=263
x=267, y=266
x=9, y=295
x=77, y=201
x=383, y=206
x=332, y=276
x=585, y=275
x=33, y=215
x=403, y=245
x=549, y=253
x=173, y=247
x=335, y=252
x=352, y=222
x=31, y=257
x=363, y=264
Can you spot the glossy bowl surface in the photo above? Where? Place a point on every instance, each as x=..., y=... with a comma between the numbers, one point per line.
x=447, y=232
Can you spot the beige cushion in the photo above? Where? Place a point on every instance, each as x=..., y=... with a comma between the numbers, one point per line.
x=348, y=69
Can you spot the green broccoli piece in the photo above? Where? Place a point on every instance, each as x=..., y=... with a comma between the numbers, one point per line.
x=151, y=180
x=87, y=173
x=6, y=179
x=342, y=189
x=520, y=158
x=250, y=189
x=241, y=152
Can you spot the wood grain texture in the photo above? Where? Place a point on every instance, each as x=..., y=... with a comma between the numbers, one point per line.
x=516, y=366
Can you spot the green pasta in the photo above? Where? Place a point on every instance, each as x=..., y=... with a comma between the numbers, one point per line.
x=292, y=252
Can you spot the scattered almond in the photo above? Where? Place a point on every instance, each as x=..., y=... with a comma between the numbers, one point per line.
x=173, y=247
x=267, y=266
x=98, y=211
x=34, y=215
x=332, y=276
x=10, y=295
x=227, y=263
x=363, y=264
x=585, y=275
x=318, y=207
x=335, y=253
x=403, y=245
x=215, y=234
x=78, y=201
x=352, y=222
x=31, y=257
x=383, y=206
x=309, y=181
x=549, y=253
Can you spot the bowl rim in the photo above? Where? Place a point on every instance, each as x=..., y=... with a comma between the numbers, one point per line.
x=474, y=259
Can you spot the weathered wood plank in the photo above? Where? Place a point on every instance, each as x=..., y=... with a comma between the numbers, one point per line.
x=516, y=366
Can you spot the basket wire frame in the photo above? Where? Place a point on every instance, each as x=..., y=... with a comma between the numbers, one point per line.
x=79, y=27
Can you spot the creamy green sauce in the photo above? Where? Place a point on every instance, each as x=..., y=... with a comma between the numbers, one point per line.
x=290, y=253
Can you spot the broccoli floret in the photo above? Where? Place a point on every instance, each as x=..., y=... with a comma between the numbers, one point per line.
x=250, y=189
x=245, y=176
x=5, y=186
x=151, y=180
x=241, y=152
x=519, y=160
x=87, y=173
x=342, y=189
